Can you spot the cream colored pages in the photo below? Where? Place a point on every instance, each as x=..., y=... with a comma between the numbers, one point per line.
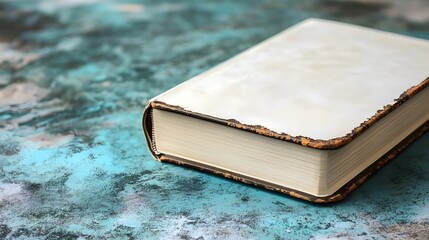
x=318, y=79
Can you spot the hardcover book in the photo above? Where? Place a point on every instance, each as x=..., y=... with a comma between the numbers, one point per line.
x=311, y=112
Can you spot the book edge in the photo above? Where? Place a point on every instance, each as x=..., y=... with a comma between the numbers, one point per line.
x=325, y=144
x=337, y=196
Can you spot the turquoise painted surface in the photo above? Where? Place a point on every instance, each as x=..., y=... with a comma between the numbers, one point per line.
x=74, y=77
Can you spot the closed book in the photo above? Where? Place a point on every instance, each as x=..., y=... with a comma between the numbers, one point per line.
x=311, y=112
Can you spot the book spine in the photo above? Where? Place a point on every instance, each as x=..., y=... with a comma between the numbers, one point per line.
x=147, y=124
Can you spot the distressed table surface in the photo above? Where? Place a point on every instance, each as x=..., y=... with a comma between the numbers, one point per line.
x=74, y=77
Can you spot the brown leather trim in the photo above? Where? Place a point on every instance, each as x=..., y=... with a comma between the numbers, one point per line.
x=337, y=196
x=334, y=143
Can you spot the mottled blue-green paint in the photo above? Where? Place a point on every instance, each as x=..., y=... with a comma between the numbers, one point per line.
x=73, y=159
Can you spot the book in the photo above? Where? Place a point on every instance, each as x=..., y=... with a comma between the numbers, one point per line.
x=311, y=112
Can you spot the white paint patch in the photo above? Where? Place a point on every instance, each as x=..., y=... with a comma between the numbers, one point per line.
x=130, y=8
x=128, y=216
x=38, y=109
x=15, y=56
x=9, y=189
x=69, y=44
x=21, y=93
x=8, y=53
x=51, y=6
x=210, y=229
x=414, y=11
x=45, y=140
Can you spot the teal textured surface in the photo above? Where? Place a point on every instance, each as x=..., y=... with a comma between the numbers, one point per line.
x=74, y=78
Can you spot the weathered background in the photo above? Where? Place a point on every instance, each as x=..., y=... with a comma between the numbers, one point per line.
x=74, y=78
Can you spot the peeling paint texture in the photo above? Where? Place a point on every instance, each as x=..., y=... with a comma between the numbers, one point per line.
x=74, y=79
